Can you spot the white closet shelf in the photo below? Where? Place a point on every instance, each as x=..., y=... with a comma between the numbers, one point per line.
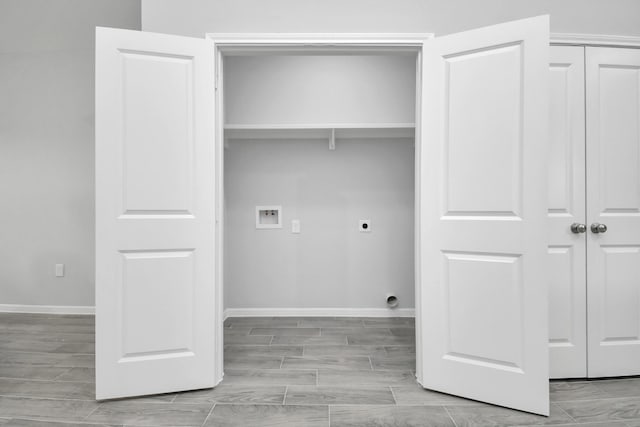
x=320, y=131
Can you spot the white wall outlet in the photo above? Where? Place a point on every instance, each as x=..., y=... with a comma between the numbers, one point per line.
x=59, y=270
x=295, y=226
x=365, y=226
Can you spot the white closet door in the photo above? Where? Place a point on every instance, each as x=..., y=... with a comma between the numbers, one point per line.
x=566, y=183
x=482, y=246
x=613, y=199
x=157, y=318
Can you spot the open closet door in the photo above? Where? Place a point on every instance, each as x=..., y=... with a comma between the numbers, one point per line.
x=482, y=331
x=157, y=316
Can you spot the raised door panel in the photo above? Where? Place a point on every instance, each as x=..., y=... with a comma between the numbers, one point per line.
x=613, y=162
x=566, y=205
x=158, y=320
x=482, y=330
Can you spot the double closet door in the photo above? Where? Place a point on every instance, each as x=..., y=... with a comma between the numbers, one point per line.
x=594, y=212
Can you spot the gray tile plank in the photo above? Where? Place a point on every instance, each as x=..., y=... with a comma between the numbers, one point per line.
x=23, y=407
x=248, y=339
x=47, y=389
x=240, y=330
x=328, y=322
x=365, y=377
x=415, y=394
x=269, y=377
x=32, y=359
x=343, y=350
x=78, y=361
x=377, y=322
x=51, y=336
x=262, y=322
x=404, y=362
x=25, y=344
x=273, y=350
x=146, y=413
x=34, y=423
x=296, y=340
x=393, y=350
x=296, y=332
x=623, y=387
x=389, y=416
x=487, y=415
x=259, y=361
x=76, y=347
x=31, y=372
x=602, y=410
x=607, y=424
x=380, y=340
x=78, y=374
x=368, y=332
x=561, y=391
x=339, y=395
x=405, y=332
x=46, y=328
x=327, y=362
x=45, y=319
x=237, y=394
x=225, y=415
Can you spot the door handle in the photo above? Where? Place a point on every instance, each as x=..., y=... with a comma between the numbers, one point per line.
x=598, y=228
x=577, y=228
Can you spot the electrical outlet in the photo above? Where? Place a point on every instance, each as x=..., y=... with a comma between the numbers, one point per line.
x=59, y=270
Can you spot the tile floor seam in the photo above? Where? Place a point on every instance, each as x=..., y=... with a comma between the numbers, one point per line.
x=208, y=415
x=393, y=395
x=61, y=374
x=450, y=416
x=551, y=404
x=94, y=410
x=284, y=397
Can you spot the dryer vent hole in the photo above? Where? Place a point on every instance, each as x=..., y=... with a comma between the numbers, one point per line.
x=392, y=301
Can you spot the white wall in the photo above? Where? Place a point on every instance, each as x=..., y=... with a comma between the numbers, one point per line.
x=196, y=17
x=330, y=264
x=307, y=89
x=46, y=146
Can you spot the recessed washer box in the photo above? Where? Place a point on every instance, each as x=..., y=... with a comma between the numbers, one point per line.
x=268, y=216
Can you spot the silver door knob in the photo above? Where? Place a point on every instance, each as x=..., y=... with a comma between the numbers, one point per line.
x=598, y=228
x=578, y=228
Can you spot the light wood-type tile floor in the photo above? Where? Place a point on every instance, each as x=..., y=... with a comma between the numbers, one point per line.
x=278, y=372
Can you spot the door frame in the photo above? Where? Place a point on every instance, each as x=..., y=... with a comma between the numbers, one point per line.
x=273, y=43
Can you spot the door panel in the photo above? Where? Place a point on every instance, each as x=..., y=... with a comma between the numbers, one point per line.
x=566, y=189
x=613, y=257
x=483, y=331
x=157, y=317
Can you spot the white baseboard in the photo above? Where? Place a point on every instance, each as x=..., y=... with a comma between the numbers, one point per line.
x=47, y=309
x=319, y=312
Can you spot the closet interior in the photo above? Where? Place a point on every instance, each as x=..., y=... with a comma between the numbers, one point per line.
x=326, y=139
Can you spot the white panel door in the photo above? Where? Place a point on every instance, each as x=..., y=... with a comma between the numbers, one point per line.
x=613, y=199
x=482, y=250
x=157, y=317
x=566, y=183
